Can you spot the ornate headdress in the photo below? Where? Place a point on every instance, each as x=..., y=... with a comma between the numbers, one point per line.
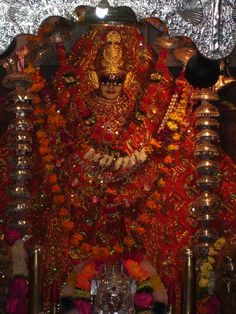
x=110, y=60
x=113, y=46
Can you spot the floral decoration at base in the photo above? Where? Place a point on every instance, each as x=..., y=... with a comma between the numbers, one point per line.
x=149, y=290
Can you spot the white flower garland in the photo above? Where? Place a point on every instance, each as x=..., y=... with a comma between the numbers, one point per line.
x=20, y=258
x=207, y=273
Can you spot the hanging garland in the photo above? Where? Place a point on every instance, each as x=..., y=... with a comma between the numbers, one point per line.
x=50, y=116
x=49, y=122
x=174, y=121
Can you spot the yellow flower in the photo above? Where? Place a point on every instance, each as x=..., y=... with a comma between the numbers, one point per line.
x=203, y=282
x=173, y=147
x=219, y=243
x=206, y=275
x=206, y=267
x=30, y=69
x=176, y=136
x=172, y=125
x=211, y=260
x=161, y=182
x=175, y=116
x=156, y=283
x=212, y=252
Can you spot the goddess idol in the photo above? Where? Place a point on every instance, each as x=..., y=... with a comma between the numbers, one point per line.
x=113, y=102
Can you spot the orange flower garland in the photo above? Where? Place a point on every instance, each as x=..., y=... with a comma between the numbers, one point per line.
x=174, y=124
x=135, y=270
x=138, y=227
x=55, y=121
x=50, y=117
x=85, y=276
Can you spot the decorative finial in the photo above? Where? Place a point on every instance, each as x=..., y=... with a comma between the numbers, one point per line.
x=104, y=4
x=102, y=9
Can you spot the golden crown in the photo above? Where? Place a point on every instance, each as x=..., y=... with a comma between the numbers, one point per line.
x=110, y=58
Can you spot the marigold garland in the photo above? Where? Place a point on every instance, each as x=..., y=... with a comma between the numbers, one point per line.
x=49, y=122
x=135, y=270
x=173, y=127
x=85, y=276
x=51, y=117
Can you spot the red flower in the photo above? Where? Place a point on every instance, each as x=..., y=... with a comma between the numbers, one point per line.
x=68, y=225
x=12, y=235
x=52, y=178
x=15, y=305
x=118, y=249
x=55, y=188
x=19, y=287
x=86, y=247
x=59, y=199
x=143, y=300
x=83, y=306
x=63, y=212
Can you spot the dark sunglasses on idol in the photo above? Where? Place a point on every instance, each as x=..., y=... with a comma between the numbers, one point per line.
x=111, y=80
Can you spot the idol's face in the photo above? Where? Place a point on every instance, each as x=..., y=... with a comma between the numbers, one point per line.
x=111, y=86
x=110, y=91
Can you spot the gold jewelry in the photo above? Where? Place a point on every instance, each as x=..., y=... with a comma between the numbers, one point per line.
x=94, y=79
x=110, y=58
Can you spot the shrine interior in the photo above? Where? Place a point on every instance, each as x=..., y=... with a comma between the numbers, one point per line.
x=49, y=65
